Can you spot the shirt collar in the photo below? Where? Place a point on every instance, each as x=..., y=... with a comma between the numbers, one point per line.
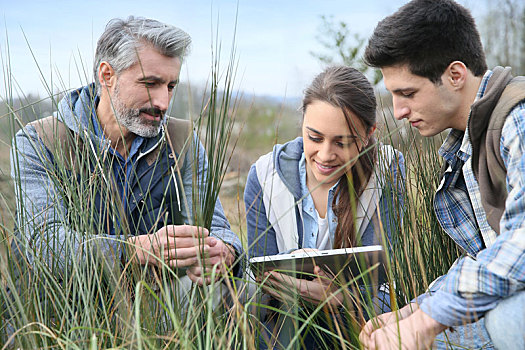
x=466, y=146
x=451, y=146
x=457, y=143
x=483, y=85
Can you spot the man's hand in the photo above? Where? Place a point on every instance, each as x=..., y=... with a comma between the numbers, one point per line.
x=176, y=246
x=416, y=331
x=220, y=256
x=386, y=319
x=321, y=288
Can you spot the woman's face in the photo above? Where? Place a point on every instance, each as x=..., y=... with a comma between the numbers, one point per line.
x=330, y=146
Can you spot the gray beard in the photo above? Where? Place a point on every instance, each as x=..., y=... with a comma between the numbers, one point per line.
x=131, y=120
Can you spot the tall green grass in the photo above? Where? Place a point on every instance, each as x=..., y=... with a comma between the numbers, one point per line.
x=421, y=251
x=101, y=300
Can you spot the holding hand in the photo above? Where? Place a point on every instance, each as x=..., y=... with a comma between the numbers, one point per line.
x=174, y=245
x=321, y=288
x=386, y=319
x=415, y=330
x=185, y=246
x=219, y=256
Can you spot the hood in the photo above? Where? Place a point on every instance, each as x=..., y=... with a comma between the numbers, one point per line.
x=286, y=161
x=75, y=111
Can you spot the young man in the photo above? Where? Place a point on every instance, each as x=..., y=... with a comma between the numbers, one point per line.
x=432, y=61
x=129, y=165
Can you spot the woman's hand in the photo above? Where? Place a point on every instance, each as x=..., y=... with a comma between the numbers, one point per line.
x=286, y=288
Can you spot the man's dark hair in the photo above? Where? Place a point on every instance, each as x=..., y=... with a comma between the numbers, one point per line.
x=427, y=35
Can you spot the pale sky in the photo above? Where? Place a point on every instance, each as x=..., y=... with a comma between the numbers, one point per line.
x=273, y=41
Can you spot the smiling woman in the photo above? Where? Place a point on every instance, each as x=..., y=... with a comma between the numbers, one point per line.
x=330, y=147
x=326, y=189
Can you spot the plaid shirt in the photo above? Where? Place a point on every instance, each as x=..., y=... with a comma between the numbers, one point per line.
x=493, y=266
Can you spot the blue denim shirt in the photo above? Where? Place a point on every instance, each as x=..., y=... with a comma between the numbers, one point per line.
x=122, y=168
x=309, y=216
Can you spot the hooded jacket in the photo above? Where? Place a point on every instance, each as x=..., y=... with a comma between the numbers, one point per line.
x=289, y=167
x=53, y=174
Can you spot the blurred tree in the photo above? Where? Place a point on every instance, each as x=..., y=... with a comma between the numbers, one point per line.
x=343, y=47
x=502, y=28
x=503, y=33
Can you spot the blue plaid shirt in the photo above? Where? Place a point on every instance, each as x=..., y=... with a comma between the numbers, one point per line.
x=493, y=267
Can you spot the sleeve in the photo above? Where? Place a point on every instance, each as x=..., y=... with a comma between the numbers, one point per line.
x=44, y=229
x=473, y=287
x=261, y=239
x=220, y=227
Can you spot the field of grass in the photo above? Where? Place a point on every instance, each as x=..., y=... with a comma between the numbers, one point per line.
x=89, y=302
x=90, y=308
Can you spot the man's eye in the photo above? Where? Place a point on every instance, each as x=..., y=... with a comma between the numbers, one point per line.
x=148, y=84
x=171, y=87
x=408, y=94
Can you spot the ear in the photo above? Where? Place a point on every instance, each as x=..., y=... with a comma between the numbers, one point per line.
x=106, y=75
x=372, y=129
x=456, y=75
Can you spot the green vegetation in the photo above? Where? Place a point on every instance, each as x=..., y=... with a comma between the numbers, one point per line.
x=97, y=306
x=90, y=302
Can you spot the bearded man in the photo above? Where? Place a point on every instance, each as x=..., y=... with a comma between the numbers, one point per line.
x=111, y=171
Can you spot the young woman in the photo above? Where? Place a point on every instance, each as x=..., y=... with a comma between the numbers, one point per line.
x=334, y=187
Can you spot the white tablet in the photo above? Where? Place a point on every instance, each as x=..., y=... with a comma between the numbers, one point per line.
x=349, y=263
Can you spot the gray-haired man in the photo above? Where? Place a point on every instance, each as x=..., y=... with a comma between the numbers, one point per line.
x=139, y=162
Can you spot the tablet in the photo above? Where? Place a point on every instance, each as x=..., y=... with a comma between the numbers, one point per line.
x=360, y=263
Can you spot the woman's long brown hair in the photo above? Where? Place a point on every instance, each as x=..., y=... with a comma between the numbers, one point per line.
x=348, y=89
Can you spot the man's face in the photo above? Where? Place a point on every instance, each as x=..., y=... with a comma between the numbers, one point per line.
x=428, y=107
x=143, y=92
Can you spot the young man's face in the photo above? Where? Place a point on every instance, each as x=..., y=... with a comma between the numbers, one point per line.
x=143, y=92
x=429, y=107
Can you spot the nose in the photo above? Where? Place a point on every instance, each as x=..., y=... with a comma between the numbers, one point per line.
x=401, y=110
x=325, y=152
x=160, y=98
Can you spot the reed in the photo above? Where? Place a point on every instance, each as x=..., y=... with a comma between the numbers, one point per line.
x=51, y=296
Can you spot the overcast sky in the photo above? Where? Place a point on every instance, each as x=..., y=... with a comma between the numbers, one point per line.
x=273, y=41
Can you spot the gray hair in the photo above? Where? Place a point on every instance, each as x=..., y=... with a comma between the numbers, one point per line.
x=121, y=39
